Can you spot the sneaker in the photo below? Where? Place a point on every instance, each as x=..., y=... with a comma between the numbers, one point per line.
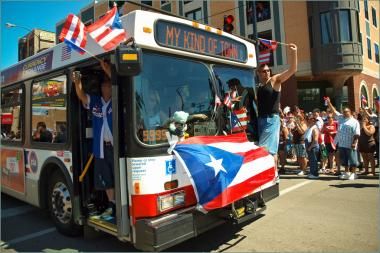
x=353, y=176
x=106, y=214
x=301, y=173
x=344, y=176
x=311, y=176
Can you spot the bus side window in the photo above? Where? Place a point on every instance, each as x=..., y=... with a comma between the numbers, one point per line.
x=49, y=105
x=11, y=117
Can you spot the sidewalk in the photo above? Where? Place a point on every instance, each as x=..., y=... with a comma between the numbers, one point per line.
x=292, y=168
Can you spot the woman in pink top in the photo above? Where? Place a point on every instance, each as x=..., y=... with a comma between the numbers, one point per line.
x=329, y=130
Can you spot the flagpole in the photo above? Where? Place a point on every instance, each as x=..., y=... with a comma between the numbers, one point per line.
x=91, y=54
x=278, y=42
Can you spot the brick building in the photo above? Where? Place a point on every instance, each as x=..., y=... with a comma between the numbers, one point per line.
x=338, y=41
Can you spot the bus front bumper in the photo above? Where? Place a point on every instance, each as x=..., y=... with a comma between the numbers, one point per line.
x=171, y=229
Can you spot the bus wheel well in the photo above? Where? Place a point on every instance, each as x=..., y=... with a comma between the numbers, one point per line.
x=48, y=169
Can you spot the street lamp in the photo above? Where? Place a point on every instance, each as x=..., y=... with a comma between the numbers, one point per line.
x=10, y=25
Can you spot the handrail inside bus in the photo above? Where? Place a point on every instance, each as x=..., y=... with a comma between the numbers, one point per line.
x=81, y=177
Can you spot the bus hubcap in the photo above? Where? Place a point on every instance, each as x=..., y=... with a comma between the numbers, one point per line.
x=61, y=203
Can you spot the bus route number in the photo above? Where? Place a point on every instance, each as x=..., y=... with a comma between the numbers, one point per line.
x=154, y=135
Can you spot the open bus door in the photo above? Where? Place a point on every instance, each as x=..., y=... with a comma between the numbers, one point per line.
x=125, y=64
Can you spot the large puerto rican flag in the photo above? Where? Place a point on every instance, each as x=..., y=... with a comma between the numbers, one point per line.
x=224, y=169
x=108, y=31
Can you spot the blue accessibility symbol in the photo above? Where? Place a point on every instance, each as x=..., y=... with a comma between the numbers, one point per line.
x=170, y=167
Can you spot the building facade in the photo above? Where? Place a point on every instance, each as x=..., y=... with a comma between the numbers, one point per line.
x=338, y=41
x=367, y=83
x=34, y=42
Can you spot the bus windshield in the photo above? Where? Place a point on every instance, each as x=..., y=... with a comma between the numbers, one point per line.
x=168, y=84
x=224, y=74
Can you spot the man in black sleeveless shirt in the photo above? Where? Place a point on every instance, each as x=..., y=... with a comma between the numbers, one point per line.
x=268, y=97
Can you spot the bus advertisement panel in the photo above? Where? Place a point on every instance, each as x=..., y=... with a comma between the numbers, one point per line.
x=12, y=169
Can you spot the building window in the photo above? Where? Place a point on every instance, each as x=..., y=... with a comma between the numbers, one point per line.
x=166, y=6
x=309, y=98
x=376, y=53
x=369, y=48
x=363, y=96
x=366, y=9
x=11, y=115
x=326, y=29
x=49, y=103
x=147, y=2
x=194, y=15
x=375, y=98
x=368, y=31
x=345, y=25
x=262, y=10
x=374, y=17
x=249, y=12
x=87, y=15
x=310, y=21
x=263, y=49
x=58, y=30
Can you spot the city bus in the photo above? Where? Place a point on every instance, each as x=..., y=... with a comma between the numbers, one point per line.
x=172, y=64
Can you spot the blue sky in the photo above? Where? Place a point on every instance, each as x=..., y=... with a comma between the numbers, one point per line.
x=31, y=14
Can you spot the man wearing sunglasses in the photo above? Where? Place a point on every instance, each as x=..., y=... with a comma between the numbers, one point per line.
x=347, y=139
x=268, y=98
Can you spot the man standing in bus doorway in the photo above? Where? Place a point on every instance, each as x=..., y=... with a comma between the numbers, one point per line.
x=268, y=97
x=101, y=109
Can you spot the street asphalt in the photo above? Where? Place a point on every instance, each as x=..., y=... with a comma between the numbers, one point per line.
x=324, y=215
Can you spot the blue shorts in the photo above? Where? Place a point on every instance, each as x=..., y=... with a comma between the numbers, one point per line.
x=348, y=157
x=269, y=132
x=103, y=170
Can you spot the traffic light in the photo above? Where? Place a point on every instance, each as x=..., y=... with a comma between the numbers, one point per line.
x=227, y=25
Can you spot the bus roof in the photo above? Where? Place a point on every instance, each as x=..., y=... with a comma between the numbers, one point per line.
x=153, y=31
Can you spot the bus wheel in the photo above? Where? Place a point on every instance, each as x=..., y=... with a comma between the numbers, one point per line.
x=60, y=205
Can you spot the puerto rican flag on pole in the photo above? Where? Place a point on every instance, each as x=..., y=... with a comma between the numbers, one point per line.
x=228, y=99
x=239, y=120
x=108, y=31
x=271, y=44
x=224, y=169
x=74, y=34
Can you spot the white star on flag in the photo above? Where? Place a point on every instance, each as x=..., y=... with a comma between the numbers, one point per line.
x=216, y=165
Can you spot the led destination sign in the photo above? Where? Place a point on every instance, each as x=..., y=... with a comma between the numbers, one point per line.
x=184, y=37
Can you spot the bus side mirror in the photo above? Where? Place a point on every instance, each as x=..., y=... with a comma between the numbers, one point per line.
x=128, y=60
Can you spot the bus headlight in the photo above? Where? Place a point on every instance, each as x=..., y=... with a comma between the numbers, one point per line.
x=171, y=200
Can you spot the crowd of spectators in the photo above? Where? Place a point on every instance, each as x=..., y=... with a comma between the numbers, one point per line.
x=329, y=142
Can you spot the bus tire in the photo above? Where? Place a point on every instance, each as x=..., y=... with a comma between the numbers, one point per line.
x=60, y=205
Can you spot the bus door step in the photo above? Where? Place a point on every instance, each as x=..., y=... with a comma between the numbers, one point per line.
x=103, y=225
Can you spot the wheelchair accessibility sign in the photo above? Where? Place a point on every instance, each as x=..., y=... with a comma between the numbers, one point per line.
x=170, y=167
